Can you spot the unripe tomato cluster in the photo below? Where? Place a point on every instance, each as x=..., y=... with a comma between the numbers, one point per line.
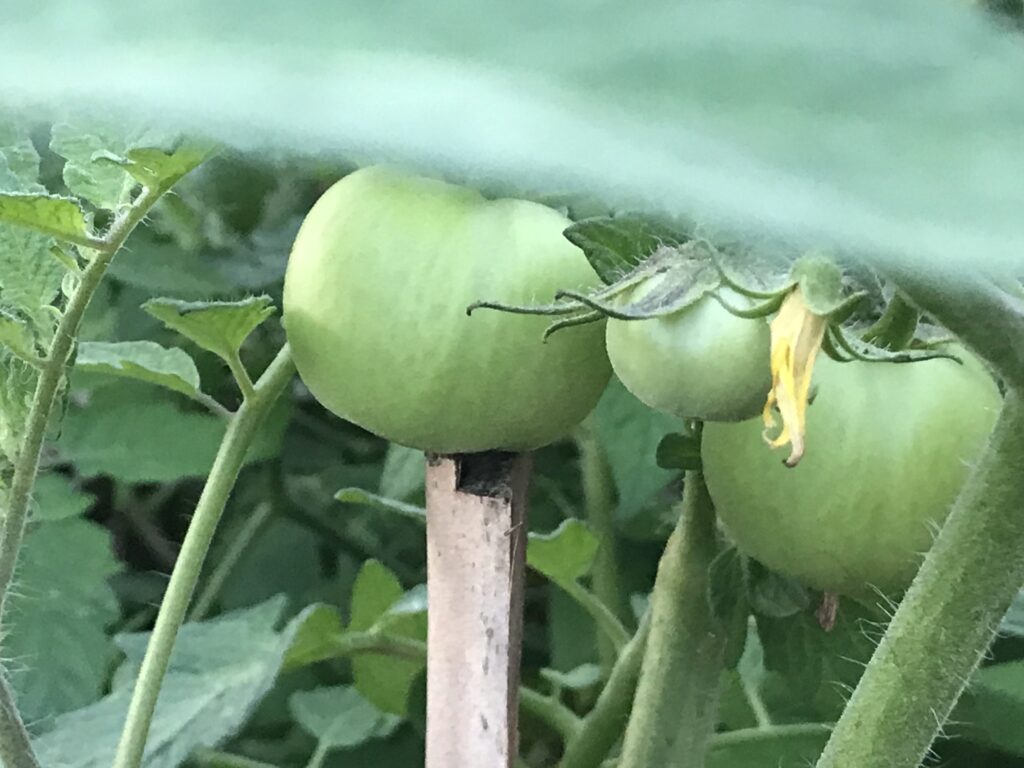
x=375, y=300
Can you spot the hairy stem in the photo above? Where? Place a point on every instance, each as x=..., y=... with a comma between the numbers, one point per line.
x=676, y=700
x=15, y=745
x=14, y=751
x=604, y=724
x=226, y=467
x=947, y=618
x=599, y=498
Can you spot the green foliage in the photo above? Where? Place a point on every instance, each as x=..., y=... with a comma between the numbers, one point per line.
x=141, y=360
x=564, y=555
x=219, y=327
x=61, y=217
x=57, y=628
x=614, y=245
x=383, y=681
x=339, y=717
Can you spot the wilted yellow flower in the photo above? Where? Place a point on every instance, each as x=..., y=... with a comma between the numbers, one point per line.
x=797, y=334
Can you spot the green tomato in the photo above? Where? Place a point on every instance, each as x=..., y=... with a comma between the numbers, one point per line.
x=888, y=448
x=702, y=362
x=375, y=300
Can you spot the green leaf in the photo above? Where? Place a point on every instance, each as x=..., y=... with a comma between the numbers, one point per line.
x=85, y=172
x=55, y=497
x=676, y=451
x=773, y=594
x=372, y=500
x=404, y=472
x=727, y=595
x=383, y=680
x=316, y=638
x=218, y=672
x=819, y=666
x=141, y=360
x=155, y=168
x=20, y=157
x=29, y=274
x=17, y=384
x=56, y=629
x=16, y=336
x=630, y=433
x=992, y=708
x=1013, y=622
x=338, y=717
x=613, y=246
x=61, y=217
x=564, y=555
x=577, y=679
x=218, y=326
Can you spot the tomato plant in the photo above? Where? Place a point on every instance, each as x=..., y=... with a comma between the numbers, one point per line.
x=701, y=362
x=889, y=447
x=378, y=283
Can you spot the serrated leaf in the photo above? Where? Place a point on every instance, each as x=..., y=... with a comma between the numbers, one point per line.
x=155, y=168
x=143, y=361
x=56, y=629
x=16, y=336
x=20, y=157
x=218, y=672
x=382, y=504
x=17, y=384
x=383, y=680
x=85, y=174
x=339, y=717
x=218, y=326
x=676, y=451
x=55, y=497
x=613, y=246
x=564, y=555
x=61, y=217
x=29, y=274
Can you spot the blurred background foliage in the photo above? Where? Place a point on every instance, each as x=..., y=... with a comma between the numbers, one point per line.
x=261, y=674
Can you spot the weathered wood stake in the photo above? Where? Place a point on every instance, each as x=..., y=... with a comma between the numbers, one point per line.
x=476, y=554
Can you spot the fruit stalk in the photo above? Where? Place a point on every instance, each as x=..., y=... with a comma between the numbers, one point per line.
x=948, y=617
x=676, y=701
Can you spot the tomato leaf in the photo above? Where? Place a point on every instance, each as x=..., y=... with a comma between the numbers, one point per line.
x=316, y=638
x=992, y=707
x=382, y=504
x=383, y=680
x=29, y=274
x=614, y=245
x=56, y=498
x=579, y=678
x=404, y=472
x=59, y=613
x=564, y=555
x=218, y=326
x=339, y=717
x=219, y=671
x=794, y=746
x=20, y=166
x=774, y=595
x=141, y=360
x=154, y=167
x=16, y=335
x=61, y=217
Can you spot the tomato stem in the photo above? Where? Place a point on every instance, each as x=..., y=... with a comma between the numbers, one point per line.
x=14, y=751
x=948, y=618
x=241, y=431
x=676, y=700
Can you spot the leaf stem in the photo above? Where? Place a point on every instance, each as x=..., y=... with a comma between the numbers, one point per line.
x=51, y=377
x=241, y=375
x=226, y=467
x=765, y=733
x=603, y=725
x=676, y=700
x=948, y=617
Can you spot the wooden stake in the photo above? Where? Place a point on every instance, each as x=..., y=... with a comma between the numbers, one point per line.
x=476, y=554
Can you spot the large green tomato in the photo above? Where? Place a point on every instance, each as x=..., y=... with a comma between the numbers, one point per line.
x=375, y=300
x=701, y=362
x=888, y=448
